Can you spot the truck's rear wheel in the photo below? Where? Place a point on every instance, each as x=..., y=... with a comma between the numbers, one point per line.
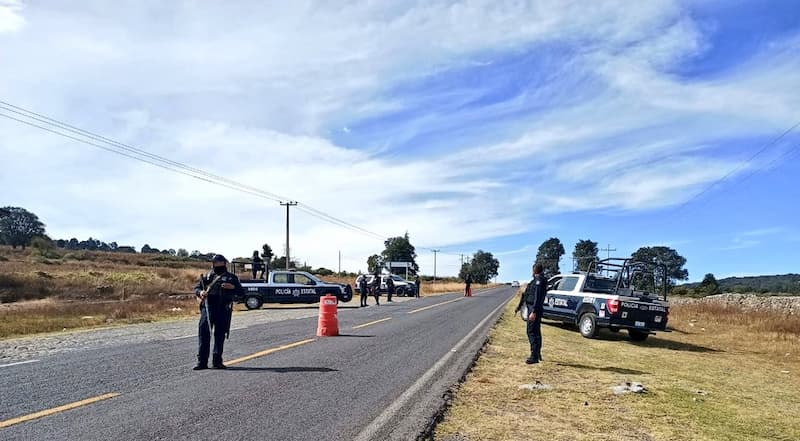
x=401, y=292
x=588, y=325
x=637, y=335
x=253, y=302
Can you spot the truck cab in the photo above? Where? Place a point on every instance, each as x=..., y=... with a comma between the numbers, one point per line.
x=608, y=298
x=290, y=287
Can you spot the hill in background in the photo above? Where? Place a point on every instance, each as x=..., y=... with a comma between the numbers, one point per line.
x=777, y=284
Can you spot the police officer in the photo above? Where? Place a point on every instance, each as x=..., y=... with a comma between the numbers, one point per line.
x=257, y=265
x=533, y=297
x=417, y=285
x=389, y=288
x=376, y=287
x=215, y=293
x=363, y=289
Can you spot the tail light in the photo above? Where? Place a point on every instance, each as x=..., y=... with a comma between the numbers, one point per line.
x=613, y=305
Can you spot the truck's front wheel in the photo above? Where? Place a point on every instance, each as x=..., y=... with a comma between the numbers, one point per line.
x=638, y=335
x=253, y=302
x=588, y=325
x=347, y=295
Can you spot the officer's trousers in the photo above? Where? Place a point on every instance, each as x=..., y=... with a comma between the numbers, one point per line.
x=219, y=322
x=535, y=336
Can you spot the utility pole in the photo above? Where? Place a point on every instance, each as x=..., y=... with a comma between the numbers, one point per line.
x=287, y=205
x=340, y=261
x=608, y=249
x=462, y=262
x=434, y=264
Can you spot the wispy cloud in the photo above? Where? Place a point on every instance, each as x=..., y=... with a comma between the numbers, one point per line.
x=752, y=238
x=450, y=119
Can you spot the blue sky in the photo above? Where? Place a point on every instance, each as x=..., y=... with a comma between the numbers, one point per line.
x=469, y=124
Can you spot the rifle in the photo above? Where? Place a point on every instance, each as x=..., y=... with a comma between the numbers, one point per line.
x=208, y=313
x=205, y=301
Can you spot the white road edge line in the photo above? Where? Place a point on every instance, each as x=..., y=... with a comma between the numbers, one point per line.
x=18, y=363
x=368, y=433
x=182, y=337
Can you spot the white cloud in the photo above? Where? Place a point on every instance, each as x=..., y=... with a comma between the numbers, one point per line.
x=254, y=92
x=11, y=19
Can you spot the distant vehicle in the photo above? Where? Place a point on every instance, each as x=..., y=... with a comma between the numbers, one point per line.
x=290, y=287
x=605, y=297
x=402, y=287
x=515, y=284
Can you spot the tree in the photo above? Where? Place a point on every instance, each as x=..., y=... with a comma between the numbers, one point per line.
x=483, y=267
x=399, y=249
x=19, y=226
x=182, y=252
x=73, y=244
x=585, y=253
x=673, y=261
x=466, y=268
x=146, y=249
x=709, y=286
x=266, y=254
x=280, y=262
x=374, y=262
x=44, y=247
x=549, y=254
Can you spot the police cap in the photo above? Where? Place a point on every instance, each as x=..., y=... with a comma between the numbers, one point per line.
x=219, y=258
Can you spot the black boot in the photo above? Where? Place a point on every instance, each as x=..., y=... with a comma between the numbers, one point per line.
x=532, y=360
x=200, y=367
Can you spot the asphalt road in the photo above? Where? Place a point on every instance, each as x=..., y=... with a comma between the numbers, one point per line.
x=382, y=381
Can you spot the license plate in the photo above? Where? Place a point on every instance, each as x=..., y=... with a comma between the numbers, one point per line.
x=658, y=319
x=639, y=324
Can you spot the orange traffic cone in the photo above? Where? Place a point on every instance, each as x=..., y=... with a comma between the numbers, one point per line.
x=328, y=325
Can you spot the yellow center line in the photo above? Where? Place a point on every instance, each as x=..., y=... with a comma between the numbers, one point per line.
x=269, y=351
x=434, y=305
x=371, y=323
x=54, y=410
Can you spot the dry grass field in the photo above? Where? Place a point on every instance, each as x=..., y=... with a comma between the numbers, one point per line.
x=723, y=374
x=79, y=289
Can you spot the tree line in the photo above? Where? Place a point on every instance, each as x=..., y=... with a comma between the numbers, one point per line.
x=482, y=267
x=21, y=228
x=783, y=284
x=586, y=251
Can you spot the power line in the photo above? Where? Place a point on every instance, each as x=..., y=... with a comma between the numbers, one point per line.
x=137, y=154
x=738, y=167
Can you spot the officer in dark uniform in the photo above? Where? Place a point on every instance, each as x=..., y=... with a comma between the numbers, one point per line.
x=468, y=287
x=257, y=265
x=363, y=289
x=376, y=287
x=389, y=288
x=215, y=293
x=418, y=286
x=533, y=297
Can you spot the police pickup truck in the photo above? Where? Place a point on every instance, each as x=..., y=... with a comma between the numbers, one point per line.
x=608, y=298
x=290, y=287
x=402, y=287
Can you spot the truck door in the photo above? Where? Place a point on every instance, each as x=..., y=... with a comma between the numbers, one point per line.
x=282, y=288
x=563, y=300
x=306, y=287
